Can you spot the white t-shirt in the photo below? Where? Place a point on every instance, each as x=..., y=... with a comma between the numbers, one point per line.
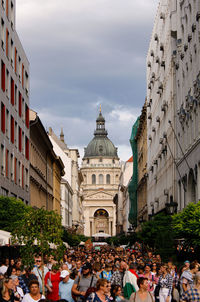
x=3, y=269
x=28, y=298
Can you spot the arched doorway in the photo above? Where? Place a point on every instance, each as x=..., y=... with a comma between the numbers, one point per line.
x=191, y=187
x=101, y=221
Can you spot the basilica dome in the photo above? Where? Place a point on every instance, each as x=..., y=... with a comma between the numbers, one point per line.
x=100, y=145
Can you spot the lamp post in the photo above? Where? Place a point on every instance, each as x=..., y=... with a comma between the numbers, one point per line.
x=171, y=207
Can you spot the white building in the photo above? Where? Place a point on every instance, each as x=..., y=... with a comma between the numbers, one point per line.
x=122, y=197
x=101, y=171
x=14, y=99
x=161, y=185
x=187, y=126
x=71, y=198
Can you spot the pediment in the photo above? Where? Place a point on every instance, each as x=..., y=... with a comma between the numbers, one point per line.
x=99, y=195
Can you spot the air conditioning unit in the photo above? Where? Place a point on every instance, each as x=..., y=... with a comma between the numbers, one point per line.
x=158, y=119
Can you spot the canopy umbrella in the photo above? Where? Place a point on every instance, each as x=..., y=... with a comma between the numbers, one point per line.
x=103, y=235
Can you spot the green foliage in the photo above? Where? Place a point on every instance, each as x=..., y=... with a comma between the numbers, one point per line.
x=186, y=224
x=12, y=210
x=158, y=234
x=73, y=239
x=122, y=240
x=36, y=230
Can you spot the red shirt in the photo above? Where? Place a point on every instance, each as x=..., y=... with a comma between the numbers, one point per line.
x=55, y=280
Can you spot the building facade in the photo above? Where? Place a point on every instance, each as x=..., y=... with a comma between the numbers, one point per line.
x=14, y=95
x=141, y=138
x=58, y=173
x=101, y=170
x=122, y=199
x=71, y=202
x=187, y=85
x=161, y=183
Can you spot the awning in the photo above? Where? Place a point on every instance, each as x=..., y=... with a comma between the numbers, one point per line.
x=103, y=235
x=4, y=238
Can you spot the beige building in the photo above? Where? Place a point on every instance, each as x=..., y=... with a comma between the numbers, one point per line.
x=101, y=171
x=46, y=169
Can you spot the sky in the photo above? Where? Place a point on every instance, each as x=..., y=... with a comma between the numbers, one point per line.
x=84, y=53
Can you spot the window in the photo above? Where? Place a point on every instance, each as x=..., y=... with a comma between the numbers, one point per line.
x=12, y=53
x=7, y=163
x=12, y=129
x=23, y=142
x=7, y=123
x=16, y=134
x=23, y=176
x=19, y=172
x=2, y=159
x=2, y=34
x=20, y=104
x=93, y=179
x=3, y=118
x=20, y=139
x=12, y=15
x=23, y=75
x=27, y=148
x=12, y=92
x=100, y=179
x=7, y=42
x=7, y=83
x=15, y=60
x=15, y=170
x=12, y=167
x=7, y=8
x=27, y=116
x=3, y=76
x=108, y=179
x=15, y=97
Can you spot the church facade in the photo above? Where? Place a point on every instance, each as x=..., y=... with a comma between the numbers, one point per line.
x=101, y=171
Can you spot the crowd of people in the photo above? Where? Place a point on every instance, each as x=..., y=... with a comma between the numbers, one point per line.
x=104, y=275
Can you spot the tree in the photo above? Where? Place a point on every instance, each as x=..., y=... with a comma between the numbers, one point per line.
x=186, y=225
x=37, y=231
x=12, y=210
x=158, y=234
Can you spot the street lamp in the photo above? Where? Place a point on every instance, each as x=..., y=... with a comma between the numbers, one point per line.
x=171, y=207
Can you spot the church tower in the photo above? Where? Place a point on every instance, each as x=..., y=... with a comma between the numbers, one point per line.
x=101, y=170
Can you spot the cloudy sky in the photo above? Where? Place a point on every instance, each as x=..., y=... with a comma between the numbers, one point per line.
x=84, y=53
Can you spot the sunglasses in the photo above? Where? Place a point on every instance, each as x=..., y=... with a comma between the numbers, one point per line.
x=38, y=261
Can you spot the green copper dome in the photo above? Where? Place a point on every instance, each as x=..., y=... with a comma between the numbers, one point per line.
x=100, y=145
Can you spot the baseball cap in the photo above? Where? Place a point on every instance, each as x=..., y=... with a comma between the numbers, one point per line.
x=87, y=265
x=187, y=261
x=64, y=274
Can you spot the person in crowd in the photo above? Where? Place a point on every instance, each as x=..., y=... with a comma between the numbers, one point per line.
x=107, y=272
x=154, y=269
x=186, y=279
x=52, y=280
x=193, y=294
x=96, y=268
x=11, y=271
x=166, y=283
x=6, y=293
x=25, y=278
x=130, y=281
x=83, y=282
x=50, y=262
x=116, y=293
x=34, y=294
x=3, y=267
x=65, y=286
x=101, y=294
x=142, y=294
x=38, y=271
x=69, y=262
x=117, y=276
x=18, y=291
x=148, y=274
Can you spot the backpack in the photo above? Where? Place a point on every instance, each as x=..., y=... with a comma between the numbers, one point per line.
x=91, y=289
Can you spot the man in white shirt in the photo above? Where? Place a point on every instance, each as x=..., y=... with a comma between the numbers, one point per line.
x=38, y=271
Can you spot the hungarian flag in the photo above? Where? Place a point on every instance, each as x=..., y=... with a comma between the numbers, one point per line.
x=130, y=283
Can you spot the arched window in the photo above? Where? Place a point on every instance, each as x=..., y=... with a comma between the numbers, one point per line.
x=100, y=179
x=108, y=179
x=93, y=179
